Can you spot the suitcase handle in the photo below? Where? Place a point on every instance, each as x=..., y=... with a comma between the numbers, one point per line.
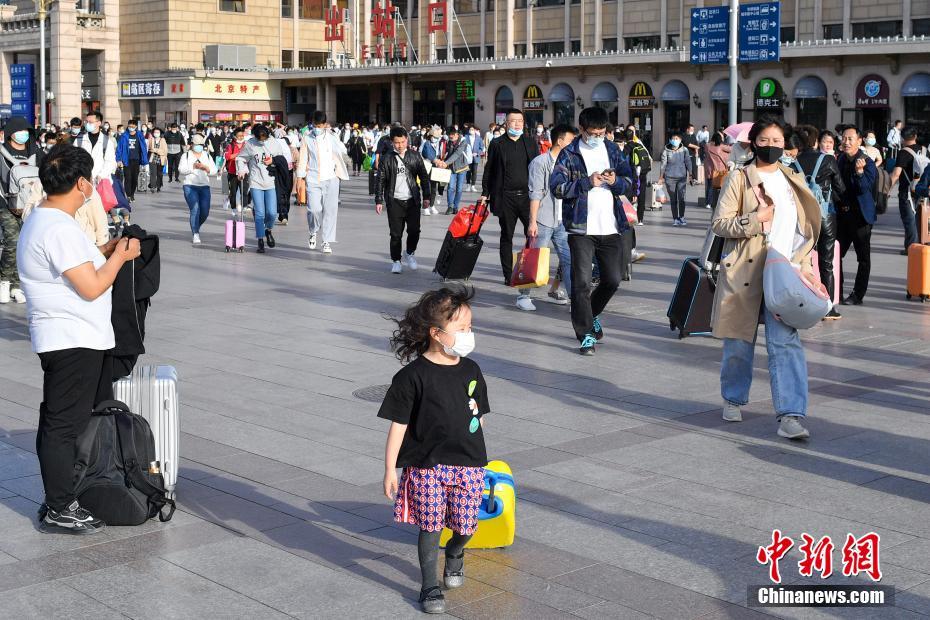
x=109, y=406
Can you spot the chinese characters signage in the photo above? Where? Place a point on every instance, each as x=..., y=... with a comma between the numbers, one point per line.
x=769, y=95
x=872, y=92
x=438, y=21
x=22, y=87
x=759, y=32
x=641, y=97
x=533, y=99
x=859, y=556
x=139, y=88
x=382, y=20
x=464, y=90
x=335, y=24
x=384, y=31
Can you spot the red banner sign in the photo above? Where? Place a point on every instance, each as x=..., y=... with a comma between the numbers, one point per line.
x=438, y=17
x=382, y=20
x=335, y=24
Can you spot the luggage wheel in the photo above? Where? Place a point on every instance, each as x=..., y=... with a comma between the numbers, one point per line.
x=227, y=249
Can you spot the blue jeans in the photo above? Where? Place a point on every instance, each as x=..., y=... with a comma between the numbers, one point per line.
x=908, y=216
x=265, y=210
x=454, y=190
x=787, y=368
x=559, y=239
x=198, y=201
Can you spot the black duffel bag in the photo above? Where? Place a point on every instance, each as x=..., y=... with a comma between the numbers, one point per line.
x=112, y=478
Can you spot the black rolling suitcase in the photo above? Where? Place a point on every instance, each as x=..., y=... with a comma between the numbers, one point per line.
x=458, y=256
x=690, y=309
x=626, y=255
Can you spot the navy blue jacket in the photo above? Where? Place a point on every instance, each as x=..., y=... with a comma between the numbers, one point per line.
x=858, y=188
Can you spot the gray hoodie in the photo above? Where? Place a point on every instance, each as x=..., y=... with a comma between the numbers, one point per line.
x=249, y=160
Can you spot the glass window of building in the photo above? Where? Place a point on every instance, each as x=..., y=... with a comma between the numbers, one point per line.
x=287, y=8
x=787, y=34
x=833, y=31
x=442, y=53
x=312, y=59
x=312, y=9
x=920, y=27
x=890, y=28
x=549, y=3
x=673, y=40
x=519, y=49
x=548, y=47
x=463, y=53
x=519, y=4
x=609, y=45
x=575, y=46
x=467, y=6
x=232, y=6
x=489, y=51
x=642, y=42
x=287, y=59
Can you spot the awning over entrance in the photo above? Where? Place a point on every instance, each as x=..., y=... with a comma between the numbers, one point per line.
x=810, y=87
x=605, y=92
x=918, y=85
x=721, y=90
x=676, y=90
x=562, y=93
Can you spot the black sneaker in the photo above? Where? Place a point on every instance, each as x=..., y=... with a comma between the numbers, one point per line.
x=598, y=330
x=833, y=315
x=903, y=252
x=269, y=238
x=432, y=601
x=587, y=345
x=73, y=519
x=852, y=300
x=261, y=246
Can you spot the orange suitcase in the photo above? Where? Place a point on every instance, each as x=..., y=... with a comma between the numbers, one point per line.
x=923, y=220
x=918, y=271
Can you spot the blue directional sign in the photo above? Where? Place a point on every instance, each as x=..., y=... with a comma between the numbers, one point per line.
x=710, y=35
x=22, y=87
x=759, y=32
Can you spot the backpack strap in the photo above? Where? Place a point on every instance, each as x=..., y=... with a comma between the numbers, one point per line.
x=82, y=450
x=817, y=167
x=156, y=495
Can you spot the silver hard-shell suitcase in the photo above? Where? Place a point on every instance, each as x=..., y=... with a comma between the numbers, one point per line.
x=152, y=392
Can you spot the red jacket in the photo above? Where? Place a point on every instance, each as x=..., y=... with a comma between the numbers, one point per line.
x=232, y=151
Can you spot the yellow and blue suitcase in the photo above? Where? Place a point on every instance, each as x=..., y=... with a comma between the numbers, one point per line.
x=497, y=517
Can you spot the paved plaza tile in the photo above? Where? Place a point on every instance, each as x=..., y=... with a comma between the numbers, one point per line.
x=635, y=500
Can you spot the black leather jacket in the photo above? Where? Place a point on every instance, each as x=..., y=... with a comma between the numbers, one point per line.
x=828, y=177
x=387, y=168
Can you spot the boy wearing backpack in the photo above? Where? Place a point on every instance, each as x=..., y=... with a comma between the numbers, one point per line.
x=20, y=190
x=641, y=163
x=822, y=175
x=910, y=164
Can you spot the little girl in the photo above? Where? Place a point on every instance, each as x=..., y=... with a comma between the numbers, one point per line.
x=436, y=404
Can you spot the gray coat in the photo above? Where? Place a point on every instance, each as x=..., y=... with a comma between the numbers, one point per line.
x=549, y=206
x=249, y=160
x=675, y=163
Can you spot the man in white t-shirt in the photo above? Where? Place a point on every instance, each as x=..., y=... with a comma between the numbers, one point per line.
x=68, y=286
x=589, y=176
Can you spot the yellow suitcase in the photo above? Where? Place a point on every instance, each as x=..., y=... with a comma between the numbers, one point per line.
x=497, y=518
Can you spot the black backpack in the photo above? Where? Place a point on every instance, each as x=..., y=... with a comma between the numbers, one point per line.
x=112, y=478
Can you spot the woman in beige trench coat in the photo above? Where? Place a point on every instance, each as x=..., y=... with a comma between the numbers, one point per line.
x=789, y=221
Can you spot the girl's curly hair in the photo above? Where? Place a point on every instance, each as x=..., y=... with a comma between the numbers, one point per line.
x=434, y=309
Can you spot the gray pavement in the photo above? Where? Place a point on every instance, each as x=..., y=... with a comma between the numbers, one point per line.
x=635, y=499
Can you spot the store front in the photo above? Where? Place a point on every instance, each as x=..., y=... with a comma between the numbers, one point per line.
x=605, y=96
x=533, y=105
x=810, y=98
x=873, y=105
x=190, y=100
x=642, y=103
x=916, y=94
x=769, y=98
x=503, y=101
x=676, y=99
x=563, y=104
x=429, y=105
x=352, y=105
x=720, y=95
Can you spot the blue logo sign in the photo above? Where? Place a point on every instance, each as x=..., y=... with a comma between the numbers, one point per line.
x=22, y=82
x=872, y=88
x=759, y=32
x=710, y=35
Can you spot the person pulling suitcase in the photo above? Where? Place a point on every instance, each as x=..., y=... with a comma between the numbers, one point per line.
x=398, y=172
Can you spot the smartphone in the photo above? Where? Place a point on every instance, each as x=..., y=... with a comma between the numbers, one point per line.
x=608, y=171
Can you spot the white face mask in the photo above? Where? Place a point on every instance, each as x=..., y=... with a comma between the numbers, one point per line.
x=87, y=198
x=463, y=345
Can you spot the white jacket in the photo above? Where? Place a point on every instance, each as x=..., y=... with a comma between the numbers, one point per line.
x=308, y=160
x=104, y=162
x=196, y=177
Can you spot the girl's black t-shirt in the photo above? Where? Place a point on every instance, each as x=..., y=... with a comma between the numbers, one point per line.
x=442, y=407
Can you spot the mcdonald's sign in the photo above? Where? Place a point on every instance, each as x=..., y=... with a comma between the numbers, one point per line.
x=532, y=98
x=641, y=97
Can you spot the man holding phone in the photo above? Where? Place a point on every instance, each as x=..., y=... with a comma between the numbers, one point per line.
x=589, y=177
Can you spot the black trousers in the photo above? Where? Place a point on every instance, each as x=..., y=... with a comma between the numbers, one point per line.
x=132, y=178
x=587, y=301
x=75, y=380
x=471, y=176
x=642, y=195
x=234, y=184
x=155, y=175
x=825, y=250
x=173, y=161
x=853, y=231
x=402, y=213
x=515, y=207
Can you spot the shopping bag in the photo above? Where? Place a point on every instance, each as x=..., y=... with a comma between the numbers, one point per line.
x=468, y=220
x=440, y=175
x=107, y=196
x=659, y=193
x=530, y=268
x=629, y=210
x=367, y=163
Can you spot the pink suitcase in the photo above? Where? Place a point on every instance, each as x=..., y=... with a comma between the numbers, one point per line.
x=235, y=233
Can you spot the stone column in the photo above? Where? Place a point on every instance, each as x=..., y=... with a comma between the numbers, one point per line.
x=406, y=104
x=598, y=26
x=64, y=60
x=511, y=8
x=395, y=101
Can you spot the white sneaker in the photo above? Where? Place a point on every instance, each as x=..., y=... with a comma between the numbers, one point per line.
x=396, y=267
x=682, y=222
x=18, y=295
x=525, y=303
x=638, y=256
x=731, y=412
x=433, y=211
x=326, y=248
x=676, y=223
x=312, y=242
x=4, y=292
x=790, y=427
x=410, y=261
x=643, y=223
x=427, y=212
x=196, y=240
x=226, y=205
